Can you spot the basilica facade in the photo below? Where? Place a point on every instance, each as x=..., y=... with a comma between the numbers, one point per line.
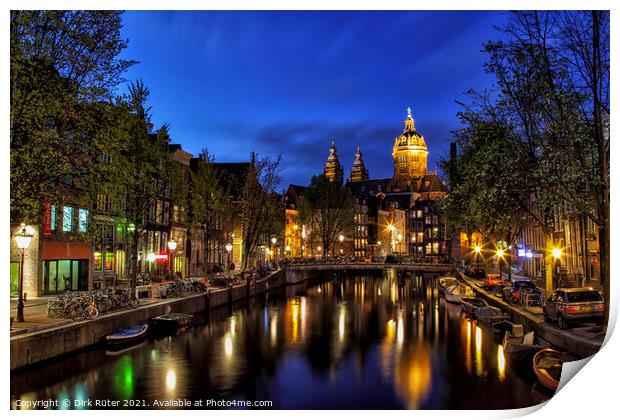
x=401, y=214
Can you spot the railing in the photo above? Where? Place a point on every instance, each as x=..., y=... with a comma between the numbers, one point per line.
x=390, y=259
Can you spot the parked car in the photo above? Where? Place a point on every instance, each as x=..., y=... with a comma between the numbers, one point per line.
x=492, y=281
x=571, y=306
x=522, y=286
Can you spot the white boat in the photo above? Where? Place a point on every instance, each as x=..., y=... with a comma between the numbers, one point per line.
x=445, y=282
x=456, y=292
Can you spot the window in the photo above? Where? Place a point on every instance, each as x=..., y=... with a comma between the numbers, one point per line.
x=67, y=218
x=97, y=261
x=53, y=217
x=83, y=220
x=109, y=258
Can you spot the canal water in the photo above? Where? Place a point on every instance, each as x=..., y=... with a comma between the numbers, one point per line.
x=365, y=342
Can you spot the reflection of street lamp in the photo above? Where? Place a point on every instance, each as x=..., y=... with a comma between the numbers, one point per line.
x=23, y=239
x=228, y=249
x=172, y=245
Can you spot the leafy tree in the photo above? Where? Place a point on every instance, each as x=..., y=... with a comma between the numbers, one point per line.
x=62, y=65
x=145, y=169
x=260, y=213
x=327, y=208
x=209, y=204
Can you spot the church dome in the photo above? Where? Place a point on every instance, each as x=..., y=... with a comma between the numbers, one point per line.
x=410, y=151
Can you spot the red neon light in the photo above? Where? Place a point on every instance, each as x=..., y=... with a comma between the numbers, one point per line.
x=161, y=256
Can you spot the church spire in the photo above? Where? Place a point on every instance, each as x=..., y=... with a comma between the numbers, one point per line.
x=358, y=171
x=333, y=169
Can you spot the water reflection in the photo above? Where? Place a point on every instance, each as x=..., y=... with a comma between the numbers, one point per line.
x=367, y=341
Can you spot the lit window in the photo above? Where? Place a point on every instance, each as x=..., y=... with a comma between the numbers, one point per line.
x=67, y=218
x=83, y=220
x=53, y=217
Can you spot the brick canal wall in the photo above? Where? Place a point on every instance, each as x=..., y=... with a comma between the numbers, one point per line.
x=35, y=347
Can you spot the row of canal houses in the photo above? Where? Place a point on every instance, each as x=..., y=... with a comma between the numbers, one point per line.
x=63, y=256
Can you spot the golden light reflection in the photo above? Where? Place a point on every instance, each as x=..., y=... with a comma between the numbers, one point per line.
x=468, y=327
x=341, y=324
x=501, y=363
x=171, y=380
x=293, y=306
x=413, y=375
x=233, y=325
x=478, y=343
x=400, y=330
x=386, y=348
x=273, y=329
x=228, y=346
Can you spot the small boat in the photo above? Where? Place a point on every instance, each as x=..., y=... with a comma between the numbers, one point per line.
x=471, y=305
x=445, y=282
x=519, y=348
x=490, y=315
x=172, y=321
x=127, y=335
x=547, y=366
x=456, y=292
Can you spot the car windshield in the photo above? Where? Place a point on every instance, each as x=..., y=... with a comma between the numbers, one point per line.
x=525, y=285
x=584, y=296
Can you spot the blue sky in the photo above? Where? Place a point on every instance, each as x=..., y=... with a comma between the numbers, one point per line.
x=287, y=82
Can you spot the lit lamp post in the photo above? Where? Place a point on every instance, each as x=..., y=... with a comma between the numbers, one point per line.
x=500, y=255
x=557, y=254
x=477, y=251
x=392, y=228
x=23, y=239
x=341, y=238
x=229, y=249
x=172, y=245
x=273, y=248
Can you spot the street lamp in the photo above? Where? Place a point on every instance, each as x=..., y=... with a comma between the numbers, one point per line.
x=172, y=245
x=228, y=249
x=477, y=251
x=22, y=239
x=500, y=255
x=557, y=254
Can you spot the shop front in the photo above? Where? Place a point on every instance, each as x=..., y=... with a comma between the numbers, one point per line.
x=65, y=267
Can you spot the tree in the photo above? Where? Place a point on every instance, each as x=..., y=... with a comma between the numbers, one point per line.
x=327, y=208
x=209, y=203
x=145, y=170
x=63, y=64
x=564, y=57
x=260, y=214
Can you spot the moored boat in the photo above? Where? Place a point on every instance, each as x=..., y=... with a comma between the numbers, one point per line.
x=490, y=315
x=127, y=335
x=445, y=282
x=471, y=305
x=456, y=292
x=519, y=348
x=172, y=321
x=547, y=366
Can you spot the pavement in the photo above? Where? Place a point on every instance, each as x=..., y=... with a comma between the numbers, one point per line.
x=36, y=319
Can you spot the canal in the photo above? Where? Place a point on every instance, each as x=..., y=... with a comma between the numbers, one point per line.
x=368, y=341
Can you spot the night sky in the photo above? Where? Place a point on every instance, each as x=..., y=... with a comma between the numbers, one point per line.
x=287, y=82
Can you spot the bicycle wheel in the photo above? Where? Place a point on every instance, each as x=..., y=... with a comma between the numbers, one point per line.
x=91, y=312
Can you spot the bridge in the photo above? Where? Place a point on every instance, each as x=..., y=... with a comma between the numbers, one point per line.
x=296, y=273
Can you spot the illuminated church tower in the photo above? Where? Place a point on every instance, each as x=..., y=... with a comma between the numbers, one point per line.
x=333, y=169
x=358, y=171
x=409, y=152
